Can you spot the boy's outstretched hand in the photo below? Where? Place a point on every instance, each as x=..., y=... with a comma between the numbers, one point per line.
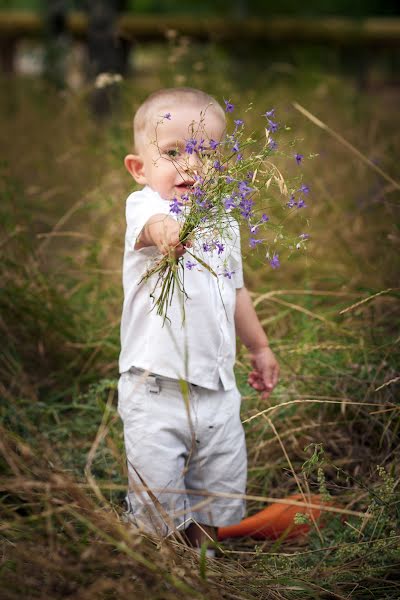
x=163, y=232
x=265, y=373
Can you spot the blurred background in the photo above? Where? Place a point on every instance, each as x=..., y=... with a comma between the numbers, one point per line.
x=72, y=75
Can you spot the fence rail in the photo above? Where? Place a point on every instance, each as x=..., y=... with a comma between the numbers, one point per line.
x=338, y=31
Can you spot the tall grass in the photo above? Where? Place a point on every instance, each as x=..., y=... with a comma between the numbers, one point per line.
x=331, y=425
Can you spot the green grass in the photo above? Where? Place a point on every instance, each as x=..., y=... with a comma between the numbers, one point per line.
x=62, y=462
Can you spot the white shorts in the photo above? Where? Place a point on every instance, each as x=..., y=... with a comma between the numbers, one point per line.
x=175, y=445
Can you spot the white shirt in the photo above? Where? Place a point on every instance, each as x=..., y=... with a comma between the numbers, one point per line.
x=202, y=349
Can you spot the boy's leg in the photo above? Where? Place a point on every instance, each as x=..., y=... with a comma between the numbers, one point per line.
x=197, y=534
x=218, y=464
x=155, y=427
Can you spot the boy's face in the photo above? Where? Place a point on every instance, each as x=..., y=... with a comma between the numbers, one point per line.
x=163, y=162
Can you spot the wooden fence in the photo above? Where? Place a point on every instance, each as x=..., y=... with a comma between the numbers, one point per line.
x=338, y=31
x=117, y=35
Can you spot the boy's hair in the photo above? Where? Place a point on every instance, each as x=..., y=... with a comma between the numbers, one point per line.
x=161, y=99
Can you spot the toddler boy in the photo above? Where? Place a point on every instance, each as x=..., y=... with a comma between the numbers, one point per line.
x=177, y=393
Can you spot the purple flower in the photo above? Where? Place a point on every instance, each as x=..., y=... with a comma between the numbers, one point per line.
x=299, y=157
x=200, y=147
x=190, y=146
x=200, y=200
x=246, y=206
x=244, y=188
x=274, y=262
x=249, y=174
x=229, y=179
x=229, y=202
x=238, y=123
x=198, y=191
x=301, y=204
x=304, y=236
x=304, y=189
x=228, y=274
x=269, y=113
x=213, y=144
x=217, y=166
x=167, y=116
x=272, y=144
x=272, y=127
x=253, y=242
x=190, y=265
x=264, y=218
x=235, y=147
x=228, y=106
x=253, y=228
x=291, y=202
x=199, y=194
x=239, y=157
x=175, y=206
x=206, y=247
x=220, y=247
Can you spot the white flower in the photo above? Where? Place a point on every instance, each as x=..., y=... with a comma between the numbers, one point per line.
x=104, y=79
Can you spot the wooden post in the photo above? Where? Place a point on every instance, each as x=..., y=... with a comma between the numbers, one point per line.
x=7, y=52
x=108, y=52
x=56, y=42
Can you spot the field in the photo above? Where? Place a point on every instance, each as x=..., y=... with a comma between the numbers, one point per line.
x=332, y=424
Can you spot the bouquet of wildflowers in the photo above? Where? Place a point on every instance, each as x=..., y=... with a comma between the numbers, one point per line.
x=238, y=179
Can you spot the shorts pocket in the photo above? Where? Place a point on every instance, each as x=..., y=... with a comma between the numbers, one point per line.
x=231, y=403
x=132, y=393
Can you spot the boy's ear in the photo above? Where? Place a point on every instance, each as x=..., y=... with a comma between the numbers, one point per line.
x=135, y=166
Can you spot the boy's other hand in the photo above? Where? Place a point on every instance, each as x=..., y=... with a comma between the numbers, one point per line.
x=265, y=373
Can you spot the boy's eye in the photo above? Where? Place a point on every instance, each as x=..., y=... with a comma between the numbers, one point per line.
x=173, y=153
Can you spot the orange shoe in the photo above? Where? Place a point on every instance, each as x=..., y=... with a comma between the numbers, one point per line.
x=275, y=520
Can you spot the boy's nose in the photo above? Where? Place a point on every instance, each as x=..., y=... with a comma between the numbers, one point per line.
x=193, y=162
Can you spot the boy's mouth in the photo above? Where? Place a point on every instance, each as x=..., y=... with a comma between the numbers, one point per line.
x=185, y=186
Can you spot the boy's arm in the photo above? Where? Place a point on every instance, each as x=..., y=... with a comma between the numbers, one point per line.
x=161, y=231
x=265, y=374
